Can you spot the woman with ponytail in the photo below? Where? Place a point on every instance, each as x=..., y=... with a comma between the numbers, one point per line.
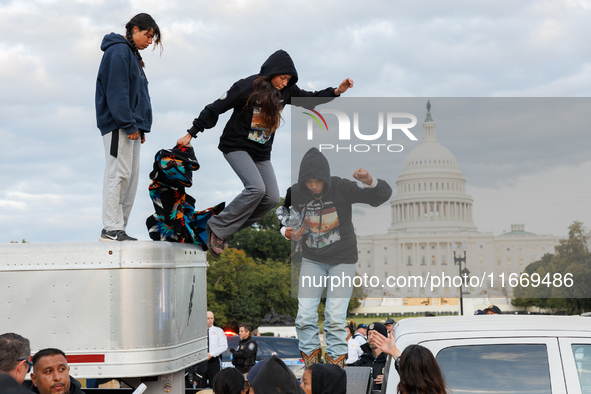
x=124, y=116
x=257, y=102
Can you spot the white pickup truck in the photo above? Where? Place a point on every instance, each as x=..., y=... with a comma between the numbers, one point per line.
x=502, y=354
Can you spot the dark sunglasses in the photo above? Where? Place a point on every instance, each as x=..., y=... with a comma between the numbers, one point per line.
x=28, y=362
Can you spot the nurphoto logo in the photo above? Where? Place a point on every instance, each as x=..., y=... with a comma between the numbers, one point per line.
x=393, y=122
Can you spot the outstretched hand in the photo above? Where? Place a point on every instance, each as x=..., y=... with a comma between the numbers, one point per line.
x=386, y=345
x=184, y=141
x=344, y=86
x=363, y=176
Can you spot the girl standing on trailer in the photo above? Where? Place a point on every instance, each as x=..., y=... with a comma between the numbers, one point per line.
x=247, y=139
x=124, y=116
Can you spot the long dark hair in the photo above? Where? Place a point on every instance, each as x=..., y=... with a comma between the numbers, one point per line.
x=143, y=22
x=267, y=98
x=419, y=372
x=228, y=381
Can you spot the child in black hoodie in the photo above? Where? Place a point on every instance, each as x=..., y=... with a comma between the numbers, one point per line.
x=329, y=248
x=257, y=102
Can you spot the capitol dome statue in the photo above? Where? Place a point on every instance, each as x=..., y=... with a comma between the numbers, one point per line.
x=431, y=220
x=431, y=190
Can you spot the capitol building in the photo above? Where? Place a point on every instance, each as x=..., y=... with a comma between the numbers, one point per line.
x=429, y=214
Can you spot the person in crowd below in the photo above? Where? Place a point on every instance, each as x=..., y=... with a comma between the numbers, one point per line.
x=15, y=352
x=354, y=350
x=324, y=379
x=275, y=378
x=373, y=355
x=257, y=102
x=252, y=374
x=350, y=331
x=389, y=323
x=51, y=374
x=493, y=310
x=244, y=356
x=417, y=367
x=217, y=344
x=329, y=249
x=124, y=116
x=228, y=381
x=361, y=333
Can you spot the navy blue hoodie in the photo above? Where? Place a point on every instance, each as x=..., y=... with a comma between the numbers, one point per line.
x=122, y=100
x=242, y=132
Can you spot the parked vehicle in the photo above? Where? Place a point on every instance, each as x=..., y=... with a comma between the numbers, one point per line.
x=279, y=331
x=502, y=353
x=285, y=348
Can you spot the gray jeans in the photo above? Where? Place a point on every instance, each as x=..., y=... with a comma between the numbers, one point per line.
x=260, y=195
x=120, y=181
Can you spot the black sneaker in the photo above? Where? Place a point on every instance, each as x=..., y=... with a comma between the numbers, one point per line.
x=115, y=235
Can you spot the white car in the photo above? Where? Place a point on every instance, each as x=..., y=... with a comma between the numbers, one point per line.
x=502, y=354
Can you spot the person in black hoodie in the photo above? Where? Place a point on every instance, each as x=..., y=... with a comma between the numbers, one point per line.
x=124, y=116
x=276, y=378
x=247, y=139
x=329, y=248
x=324, y=379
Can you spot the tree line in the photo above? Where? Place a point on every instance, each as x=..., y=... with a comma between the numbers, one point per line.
x=572, y=257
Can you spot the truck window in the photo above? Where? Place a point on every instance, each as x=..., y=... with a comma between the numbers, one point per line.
x=501, y=368
x=582, y=355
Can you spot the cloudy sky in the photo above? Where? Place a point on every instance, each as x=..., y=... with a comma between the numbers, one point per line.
x=52, y=159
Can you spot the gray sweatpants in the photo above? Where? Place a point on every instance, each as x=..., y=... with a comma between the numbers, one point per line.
x=120, y=181
x=260, y=195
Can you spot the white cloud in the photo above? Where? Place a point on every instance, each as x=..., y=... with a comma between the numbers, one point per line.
x=51, y=151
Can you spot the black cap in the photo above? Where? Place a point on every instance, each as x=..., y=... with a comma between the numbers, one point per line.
x=480, y=312
x=494, y=309
x=362, y=326
x=379, y=327
x=389, y=321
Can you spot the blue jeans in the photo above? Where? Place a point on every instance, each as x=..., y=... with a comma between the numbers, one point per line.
x=311, y=286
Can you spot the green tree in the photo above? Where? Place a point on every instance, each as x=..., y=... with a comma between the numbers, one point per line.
x=262, y=240
x=241, y=290
x=572, y=258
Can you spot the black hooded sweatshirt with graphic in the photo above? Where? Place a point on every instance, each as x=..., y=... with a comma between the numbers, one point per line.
x=241, y=132
x=330, y=237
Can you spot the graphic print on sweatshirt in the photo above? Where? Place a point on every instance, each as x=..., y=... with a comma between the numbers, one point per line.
x=323, y=224
x=257, y=133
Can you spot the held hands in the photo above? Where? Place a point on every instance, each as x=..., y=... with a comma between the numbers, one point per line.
x=386, y=345
x=363, y=176
x=294, y=235
x=136, y=136
x=184, y=141
x=344, y=86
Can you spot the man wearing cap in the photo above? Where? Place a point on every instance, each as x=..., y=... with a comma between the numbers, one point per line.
x=493, y=310
x=354, y=350
x=373, y=356
x=389, y=324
